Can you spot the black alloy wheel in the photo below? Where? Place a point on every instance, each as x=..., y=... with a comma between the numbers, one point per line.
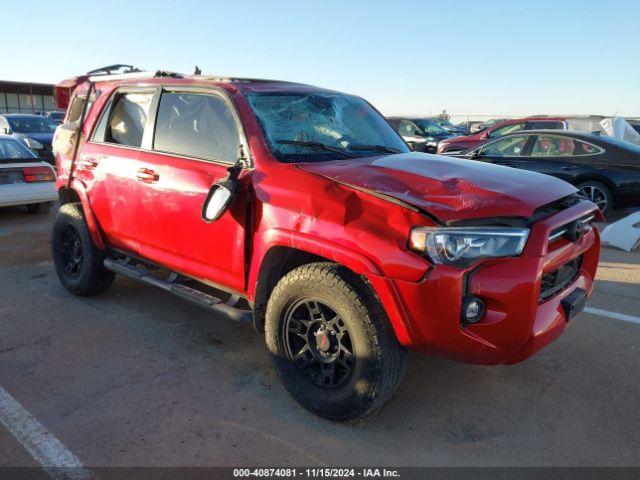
x=71, y=251
x=318, y=342
x=599, y=194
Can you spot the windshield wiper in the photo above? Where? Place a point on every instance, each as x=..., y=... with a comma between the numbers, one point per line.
x=375, y=148
x=316, y=145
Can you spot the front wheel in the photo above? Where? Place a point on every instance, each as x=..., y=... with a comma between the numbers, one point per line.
x=599, y=194
x=331, y=342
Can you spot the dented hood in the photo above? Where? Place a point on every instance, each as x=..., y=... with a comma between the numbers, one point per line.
x=451, y=189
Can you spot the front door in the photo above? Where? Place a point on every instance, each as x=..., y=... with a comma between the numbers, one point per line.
x=507, y=151
x=196, y=139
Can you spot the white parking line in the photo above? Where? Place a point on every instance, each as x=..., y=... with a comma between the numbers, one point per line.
x=43, y=446
x=615, y=315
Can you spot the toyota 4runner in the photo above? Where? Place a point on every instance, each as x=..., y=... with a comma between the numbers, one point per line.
x=302, y=211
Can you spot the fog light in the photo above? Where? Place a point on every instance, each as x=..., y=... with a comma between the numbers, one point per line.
x=472, y=309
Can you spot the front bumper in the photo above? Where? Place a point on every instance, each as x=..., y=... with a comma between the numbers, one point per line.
x=516, y=323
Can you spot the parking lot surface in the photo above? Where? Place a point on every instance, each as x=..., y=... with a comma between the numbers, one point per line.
x=137, y=377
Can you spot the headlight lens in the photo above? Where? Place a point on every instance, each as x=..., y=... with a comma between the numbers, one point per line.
x=462, y=246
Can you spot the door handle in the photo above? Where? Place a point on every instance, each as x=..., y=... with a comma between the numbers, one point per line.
x=147, y=175
x=88, y=163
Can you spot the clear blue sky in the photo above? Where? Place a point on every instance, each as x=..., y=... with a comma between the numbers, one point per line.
x=470, y=57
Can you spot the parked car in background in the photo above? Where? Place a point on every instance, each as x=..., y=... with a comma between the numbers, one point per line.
x=34, y=131
x=56, y=116
x=317, y=224
x=606, y=170
x=471, y=126
x=635, y=123
x=24, y=178
x=422, y=134
x=498, y=129
x=450, y=127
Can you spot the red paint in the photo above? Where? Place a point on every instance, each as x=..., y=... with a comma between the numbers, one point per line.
x=327, y=209
x=471, y=141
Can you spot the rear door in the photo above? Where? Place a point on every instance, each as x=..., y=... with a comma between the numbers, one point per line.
x=564, y=157
x=196, y=139
x=108, y=166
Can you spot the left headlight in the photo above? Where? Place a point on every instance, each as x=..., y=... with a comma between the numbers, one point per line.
x=462, y=246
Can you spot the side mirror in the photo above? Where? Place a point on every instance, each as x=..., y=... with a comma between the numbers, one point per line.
x=484, y=136
x=219, y=198
x=418, y=133
x=6, y=131
x=33, y=144
x=474, y=155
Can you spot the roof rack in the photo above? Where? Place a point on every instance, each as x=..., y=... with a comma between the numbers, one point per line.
x=120, y=71
x=110, y=69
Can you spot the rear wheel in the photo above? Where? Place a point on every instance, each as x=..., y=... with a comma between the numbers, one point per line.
x=331, y=343
x=599, y=194
x=77, y=260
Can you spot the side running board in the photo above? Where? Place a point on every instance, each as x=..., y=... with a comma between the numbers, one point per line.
x=198, y=297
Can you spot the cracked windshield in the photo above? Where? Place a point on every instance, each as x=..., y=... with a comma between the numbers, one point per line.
x=319, y=127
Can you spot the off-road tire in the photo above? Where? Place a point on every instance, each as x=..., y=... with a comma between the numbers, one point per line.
x=594, y=186
x=380, y=361
x=39, y=208
x=90, y=276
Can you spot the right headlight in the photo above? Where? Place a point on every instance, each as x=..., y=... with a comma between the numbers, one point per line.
x=462, y=246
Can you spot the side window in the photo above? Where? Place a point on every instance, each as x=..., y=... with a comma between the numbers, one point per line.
x=125, y=123
x=545, y=125
x=506, y=147
x=583, y=148
x=499, y=132
x=197, y=125
x=408, y=128
x=552, y=146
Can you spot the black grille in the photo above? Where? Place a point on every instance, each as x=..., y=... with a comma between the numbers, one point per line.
x=555, y=207
x=556, y=281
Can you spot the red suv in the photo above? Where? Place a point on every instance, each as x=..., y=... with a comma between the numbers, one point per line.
x=459, y=144
x=302, y=211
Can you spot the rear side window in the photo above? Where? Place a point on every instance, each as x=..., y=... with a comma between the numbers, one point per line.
x=196, y=125
x=551, y=146
x=126, y=121
x=583, y=148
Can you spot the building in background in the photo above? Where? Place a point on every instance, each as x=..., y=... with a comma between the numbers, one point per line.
x=26, y=97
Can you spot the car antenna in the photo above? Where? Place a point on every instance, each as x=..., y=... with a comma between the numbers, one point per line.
x=197, y=71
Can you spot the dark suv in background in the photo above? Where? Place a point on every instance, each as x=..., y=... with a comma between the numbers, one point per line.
x=422, y=134
x=33, y=131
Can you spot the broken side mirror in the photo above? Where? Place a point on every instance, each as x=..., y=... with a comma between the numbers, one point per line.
x=218, y=200
x=220, y=196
